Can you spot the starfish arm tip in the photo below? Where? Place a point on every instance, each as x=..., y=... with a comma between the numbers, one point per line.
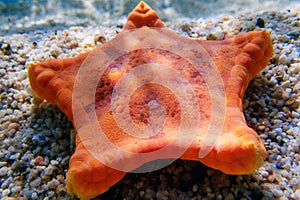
x=143, y=15
x=87, y=177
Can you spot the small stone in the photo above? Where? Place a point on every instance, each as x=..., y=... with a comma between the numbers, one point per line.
x=13, y=126
x=37, y=182
x=46, y=178
x=219, y=197
x=34, y=196
x=40, y=168
x=286, y=84
x=195, y=188
x=39, y=160
x=55, y=51
x=6, y=192
x=50, y=194
x=295, y=114
x=284, y=38
x=293, y=35
x=7, y=182
x=267, y=195
x=88, y=42
x=149, y=194
x=3, y=164
x=139, y=185
x=61, y=190
x=277, y=192
x=72, y=45
x=260, y=23
x=186, y=27
x=283, y=59
x=49, y=170
x=99, y=38
x=229, y=196
x=220, y=180
x=216, y=35
x=15, y=156
x=173, y=195
x=162, y=195
x=6, y=48
x=162, y=177
x=26, y=193
x=16, y=189
x=34, y=45
x=208, y=190
x=49, y=123
x=290, y=101
x=142, y=194
x=210, y=172
x=3, y=171
x=271, y=178
x=297, y=194
x=265, y=174
x=250, y=26
x=60, y=178
x=53, y=184
x=277, y=121
x=54, y=162
x=39, y=138
x=178, y=170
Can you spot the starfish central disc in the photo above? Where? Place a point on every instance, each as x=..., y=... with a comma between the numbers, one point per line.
x=87, y=121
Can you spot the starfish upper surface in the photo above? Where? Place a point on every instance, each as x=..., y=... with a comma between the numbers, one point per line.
x=153, y=55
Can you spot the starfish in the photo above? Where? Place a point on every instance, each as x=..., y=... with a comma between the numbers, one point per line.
x=150, y=94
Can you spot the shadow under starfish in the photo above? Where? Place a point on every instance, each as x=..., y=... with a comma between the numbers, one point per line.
x=216, y=75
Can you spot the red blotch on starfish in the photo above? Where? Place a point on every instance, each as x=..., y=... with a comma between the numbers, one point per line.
x=237, y=150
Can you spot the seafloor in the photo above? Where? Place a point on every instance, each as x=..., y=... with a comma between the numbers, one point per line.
x=37, y=139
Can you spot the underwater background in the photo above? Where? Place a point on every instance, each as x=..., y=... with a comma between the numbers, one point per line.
x=37, y=139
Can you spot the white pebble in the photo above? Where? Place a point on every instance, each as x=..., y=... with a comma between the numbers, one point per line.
x=7, y=182
x=3, y=164
x=15, y=156
x=50, y=194
x=36, y=182
x=34, y=196
x=195, y=188
x=54, y=162
x=297, y=194
x=295, y=114
x=277, y=192
x=286, y=84
x=49, y=170
x=283, y=59
x=265, y=174
x=16, y=189
x=89, y=41
x=3, y=171
x=53, y=184
x=6, y=192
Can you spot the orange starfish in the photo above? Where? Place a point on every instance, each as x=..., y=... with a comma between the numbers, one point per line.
x=151, y=94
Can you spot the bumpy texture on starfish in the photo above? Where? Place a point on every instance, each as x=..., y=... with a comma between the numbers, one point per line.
x=237, y=150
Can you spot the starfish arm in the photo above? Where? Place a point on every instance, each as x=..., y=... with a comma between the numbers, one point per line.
x=143, y=15
x=87, y=177
x=256, y=52
x=239, y=150
x=53, y=80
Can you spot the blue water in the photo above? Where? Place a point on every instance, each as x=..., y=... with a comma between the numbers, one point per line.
x=9, y=1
